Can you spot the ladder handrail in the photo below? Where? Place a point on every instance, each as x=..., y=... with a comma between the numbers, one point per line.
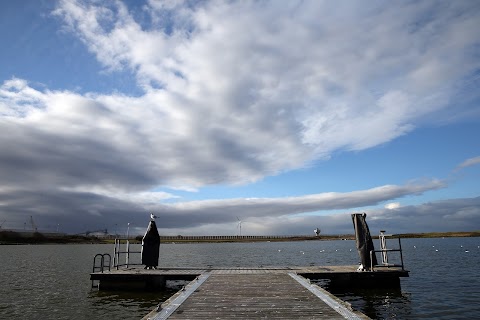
x=103, y=265
x=384, y=251
x=117, y=251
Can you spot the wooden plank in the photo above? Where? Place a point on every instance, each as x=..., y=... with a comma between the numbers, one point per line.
x=332, y=301
x=177, y=300
x=253, y=296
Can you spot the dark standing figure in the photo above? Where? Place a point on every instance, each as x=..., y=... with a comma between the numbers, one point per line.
x=151, y=245
x=364, y=241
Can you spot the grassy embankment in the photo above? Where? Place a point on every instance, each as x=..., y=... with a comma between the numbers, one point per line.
x=8, y=237
x=11, y=237
x=441, y=234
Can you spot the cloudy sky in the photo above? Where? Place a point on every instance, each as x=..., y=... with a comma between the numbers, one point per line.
x=285, y=115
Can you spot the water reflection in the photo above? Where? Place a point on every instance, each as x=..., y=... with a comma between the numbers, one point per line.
x=378, y=303
x=141, y=301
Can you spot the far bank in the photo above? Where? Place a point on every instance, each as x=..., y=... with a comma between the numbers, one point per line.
x=10, y=237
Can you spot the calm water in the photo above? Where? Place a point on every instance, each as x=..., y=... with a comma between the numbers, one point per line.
x=52, y=281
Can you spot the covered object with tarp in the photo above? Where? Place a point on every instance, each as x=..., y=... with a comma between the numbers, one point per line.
x=151, y=246
x=364, y=241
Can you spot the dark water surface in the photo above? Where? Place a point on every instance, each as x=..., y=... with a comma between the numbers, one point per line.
x=52, y=281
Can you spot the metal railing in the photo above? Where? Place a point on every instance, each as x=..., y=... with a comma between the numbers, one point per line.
x=118, y=252
x=384, y=252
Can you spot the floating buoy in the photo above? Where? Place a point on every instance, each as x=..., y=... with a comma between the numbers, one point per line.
x=436, y=250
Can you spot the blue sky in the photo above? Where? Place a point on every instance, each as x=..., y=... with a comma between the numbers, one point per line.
x=286, y=115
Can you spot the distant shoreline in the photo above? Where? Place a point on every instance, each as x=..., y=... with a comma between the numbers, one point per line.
x=11, y=238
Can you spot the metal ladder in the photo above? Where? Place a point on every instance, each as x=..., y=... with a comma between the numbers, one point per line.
x=101, y=263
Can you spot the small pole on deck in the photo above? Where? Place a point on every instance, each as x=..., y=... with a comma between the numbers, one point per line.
x=128, y=245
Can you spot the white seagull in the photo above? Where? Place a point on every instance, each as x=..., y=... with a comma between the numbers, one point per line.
x=153, y=217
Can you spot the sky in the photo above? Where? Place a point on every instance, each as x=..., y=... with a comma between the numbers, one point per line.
x=274, y=116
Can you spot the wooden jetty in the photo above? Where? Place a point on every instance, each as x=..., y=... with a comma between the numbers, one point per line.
x=252, y=293
x=253, y=296
x=249, y=293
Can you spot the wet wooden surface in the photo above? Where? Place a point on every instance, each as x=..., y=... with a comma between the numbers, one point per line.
x=254, y=296
x=325, y=270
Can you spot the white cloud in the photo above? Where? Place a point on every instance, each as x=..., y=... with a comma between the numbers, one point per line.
x=392, y=205
x=77, y=208
x=17, y=98
x=468, y=163
x=144, y=198
x=220, y=211
x=443, y=215
x=269, y=70
x=184, y=188
x=439, y=216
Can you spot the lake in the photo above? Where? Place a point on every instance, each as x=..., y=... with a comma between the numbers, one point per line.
x=52, y=281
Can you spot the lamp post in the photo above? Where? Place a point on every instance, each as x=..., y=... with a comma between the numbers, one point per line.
x=128, y=245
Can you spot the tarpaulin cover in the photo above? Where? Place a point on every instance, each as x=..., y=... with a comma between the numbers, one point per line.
x=364, y=240
x=151, y=246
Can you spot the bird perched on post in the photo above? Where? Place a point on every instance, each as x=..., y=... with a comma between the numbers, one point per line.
x=153, y=217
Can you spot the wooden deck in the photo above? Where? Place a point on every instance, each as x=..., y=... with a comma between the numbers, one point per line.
x=250, y=295
x=139, y=278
